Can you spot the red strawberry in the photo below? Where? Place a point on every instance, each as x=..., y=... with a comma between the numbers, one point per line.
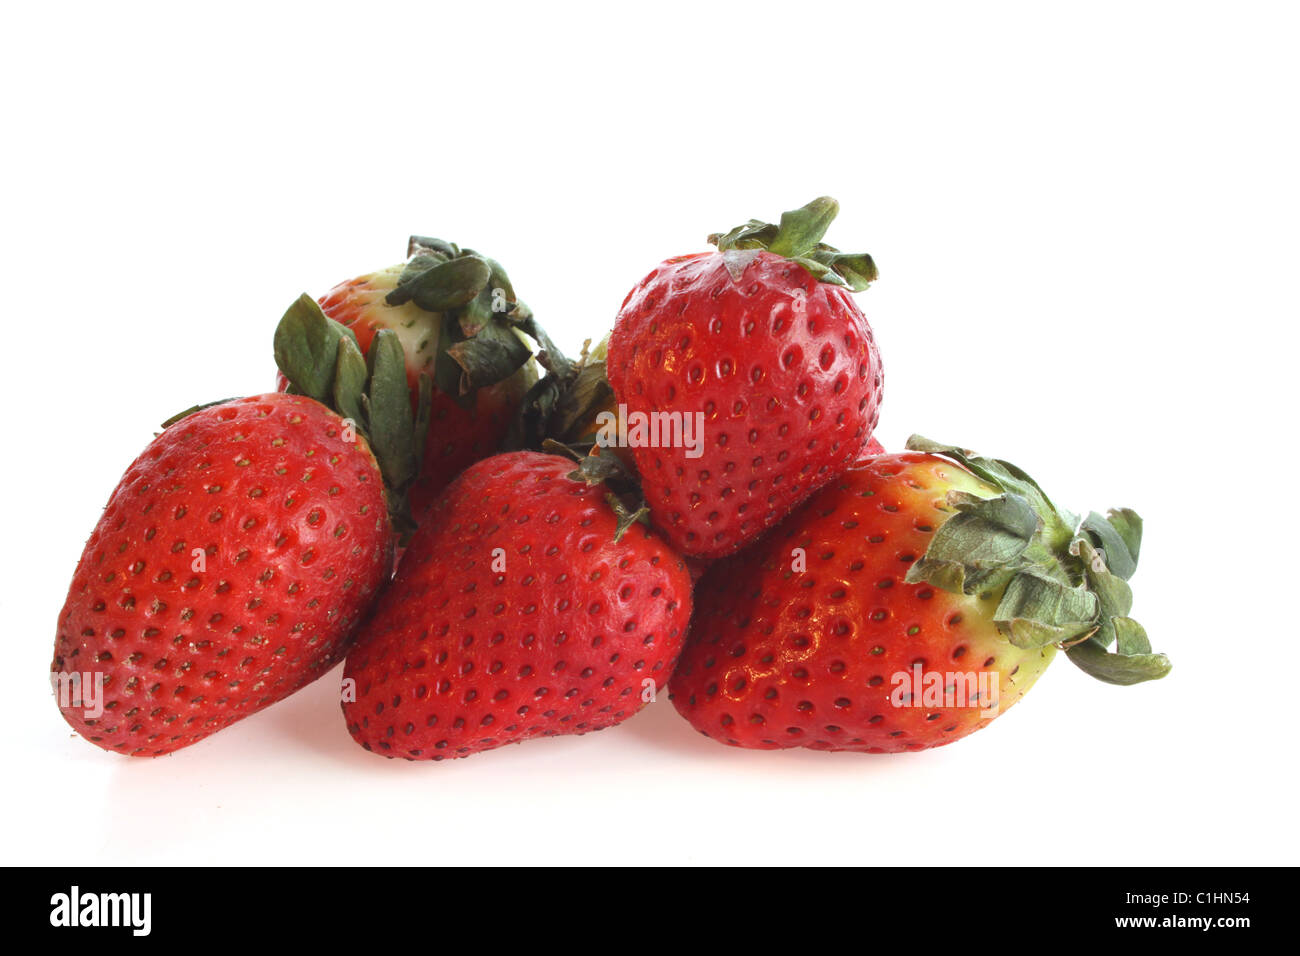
x=902, y=603
x=872, y=449
x=517, y=613
x=457, y=318
x=230, y=568
x=763, y=339
x=241, y=549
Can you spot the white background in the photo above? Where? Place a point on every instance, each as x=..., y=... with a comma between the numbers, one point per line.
x=1086, y=225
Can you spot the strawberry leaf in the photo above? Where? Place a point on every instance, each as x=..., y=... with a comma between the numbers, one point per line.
x=389, y=401
x=985, y=535
x=857, y=269
x=441, y=286
x=499, y=282
x=493, y=354
x=350, y=383
x=424, y=245
x=1132, y=640
x=1036, y=610
x=820, y=271
x=752, y=235
x=306, y=347
x=1094, y=660
x=802, y=229
x=1119, y=557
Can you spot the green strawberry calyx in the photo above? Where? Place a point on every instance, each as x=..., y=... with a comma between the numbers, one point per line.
x=487, y=332
x=798, y=237
x=1063, y=579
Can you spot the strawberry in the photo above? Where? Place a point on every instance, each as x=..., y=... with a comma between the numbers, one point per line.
x=872, y=449
x=762, y=343
x=230, y=568
x=522, y=609
x=459, y=323
x=239, y=552
x=905, y=605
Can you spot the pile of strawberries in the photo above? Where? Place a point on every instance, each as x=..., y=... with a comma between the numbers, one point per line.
x=505, y=543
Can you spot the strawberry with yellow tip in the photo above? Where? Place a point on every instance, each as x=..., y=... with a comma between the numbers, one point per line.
x=902, y=607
